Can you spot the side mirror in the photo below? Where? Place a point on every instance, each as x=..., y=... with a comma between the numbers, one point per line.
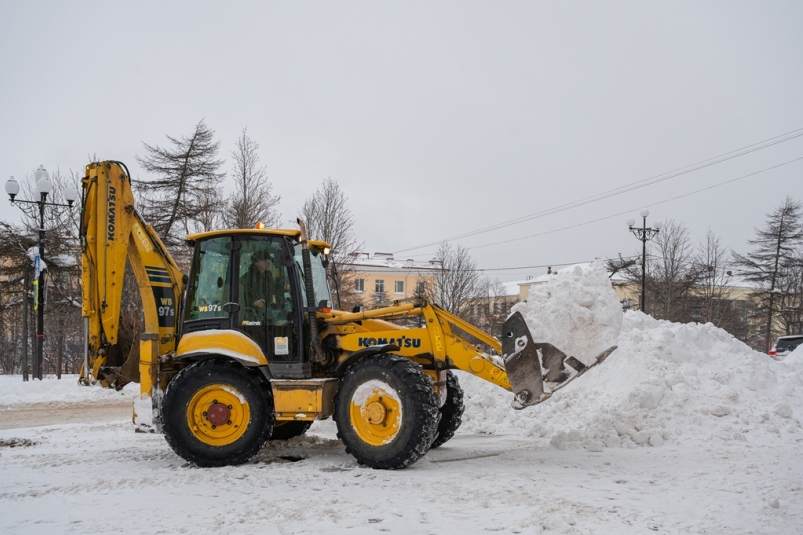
x=285, y=257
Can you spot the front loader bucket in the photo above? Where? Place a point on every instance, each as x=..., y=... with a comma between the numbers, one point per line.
x=537, y=369
x=522, y=364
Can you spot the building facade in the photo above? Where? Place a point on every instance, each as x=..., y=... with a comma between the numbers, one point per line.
x=381, y=278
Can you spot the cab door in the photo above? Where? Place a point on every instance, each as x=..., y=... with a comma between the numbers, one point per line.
x=268, y=308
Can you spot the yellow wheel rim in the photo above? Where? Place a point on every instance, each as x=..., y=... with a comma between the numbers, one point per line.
x=376, y=413
x=218, y=415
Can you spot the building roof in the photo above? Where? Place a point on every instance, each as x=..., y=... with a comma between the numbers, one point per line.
x=734, y=281
x=385, y=261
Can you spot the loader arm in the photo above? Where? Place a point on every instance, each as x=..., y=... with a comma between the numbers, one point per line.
x=434, y=344
x=532, y=371
x=112, y=232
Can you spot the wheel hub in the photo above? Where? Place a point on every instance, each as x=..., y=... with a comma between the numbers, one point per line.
x=218, y=414
x=376, y=412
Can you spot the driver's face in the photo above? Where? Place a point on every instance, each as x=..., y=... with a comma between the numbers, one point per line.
x=263, y=265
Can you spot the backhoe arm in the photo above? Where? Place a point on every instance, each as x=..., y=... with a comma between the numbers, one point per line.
x=434, y=345
x=113, y=232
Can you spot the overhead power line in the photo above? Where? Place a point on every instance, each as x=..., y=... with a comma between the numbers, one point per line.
x=553, y=264
x=626, y=188
x=631, y=210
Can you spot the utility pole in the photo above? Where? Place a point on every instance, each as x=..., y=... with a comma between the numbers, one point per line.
x=644, y=234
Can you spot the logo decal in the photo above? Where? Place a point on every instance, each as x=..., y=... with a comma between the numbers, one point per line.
x=401, y=342
x=112, y=213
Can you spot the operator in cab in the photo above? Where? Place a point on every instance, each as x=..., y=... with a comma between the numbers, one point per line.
x=259, y=281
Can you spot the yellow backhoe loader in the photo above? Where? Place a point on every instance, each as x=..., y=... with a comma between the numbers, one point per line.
x=246, y=348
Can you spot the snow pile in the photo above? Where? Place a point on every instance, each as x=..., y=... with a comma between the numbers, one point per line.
x=67, y=390
x=666, y=382
x=796, y=356
x=577, y=311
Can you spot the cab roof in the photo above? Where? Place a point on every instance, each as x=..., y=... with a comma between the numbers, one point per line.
x=289, y=232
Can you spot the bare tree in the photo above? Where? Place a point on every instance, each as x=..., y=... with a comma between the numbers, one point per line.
x=210, y=212
x=458, y=282
x=673, y=274
x=187, y=178
x=252, y=200
x=714, y=291
x=15, y=298
x=63, y=293
x=621, y=264
x=329, y=219
x=776, y=247
x=489, y=307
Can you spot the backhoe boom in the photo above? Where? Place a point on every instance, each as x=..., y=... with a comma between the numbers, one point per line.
x=113, y=232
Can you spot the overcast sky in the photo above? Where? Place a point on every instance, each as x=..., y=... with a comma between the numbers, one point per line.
x=436, y=118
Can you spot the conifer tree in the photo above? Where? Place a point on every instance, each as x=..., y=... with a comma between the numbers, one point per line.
x=186, y=181
x=774, y=253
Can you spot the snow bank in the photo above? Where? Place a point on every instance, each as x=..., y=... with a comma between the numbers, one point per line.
x=14, y=391
x=666, y=382
x=796, y=356
x=577, y=311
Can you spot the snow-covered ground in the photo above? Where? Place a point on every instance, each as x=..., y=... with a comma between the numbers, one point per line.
x=681, y=430
x=107, y=479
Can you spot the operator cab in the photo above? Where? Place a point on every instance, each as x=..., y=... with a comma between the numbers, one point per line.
x=252, y=281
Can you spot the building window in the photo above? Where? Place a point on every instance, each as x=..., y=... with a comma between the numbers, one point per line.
x=421, y=287
x=399, y=287
x=359, y=285
x=380, y=286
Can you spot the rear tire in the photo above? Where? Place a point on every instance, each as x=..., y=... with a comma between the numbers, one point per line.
x=451, y=412
x=217, y=413
x=288, y=430
x=386, y=412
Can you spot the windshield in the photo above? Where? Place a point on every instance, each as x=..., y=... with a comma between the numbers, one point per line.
x=319, y=281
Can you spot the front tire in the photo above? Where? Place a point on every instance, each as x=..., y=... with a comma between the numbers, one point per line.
x=386, y=412
x=217, y=413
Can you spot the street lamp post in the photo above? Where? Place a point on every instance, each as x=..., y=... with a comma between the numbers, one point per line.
x=44, y=187
x=644, y=234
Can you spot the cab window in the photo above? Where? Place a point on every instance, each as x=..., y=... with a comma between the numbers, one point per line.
x=319, y=282
x=209, y=287
x=264, y=285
